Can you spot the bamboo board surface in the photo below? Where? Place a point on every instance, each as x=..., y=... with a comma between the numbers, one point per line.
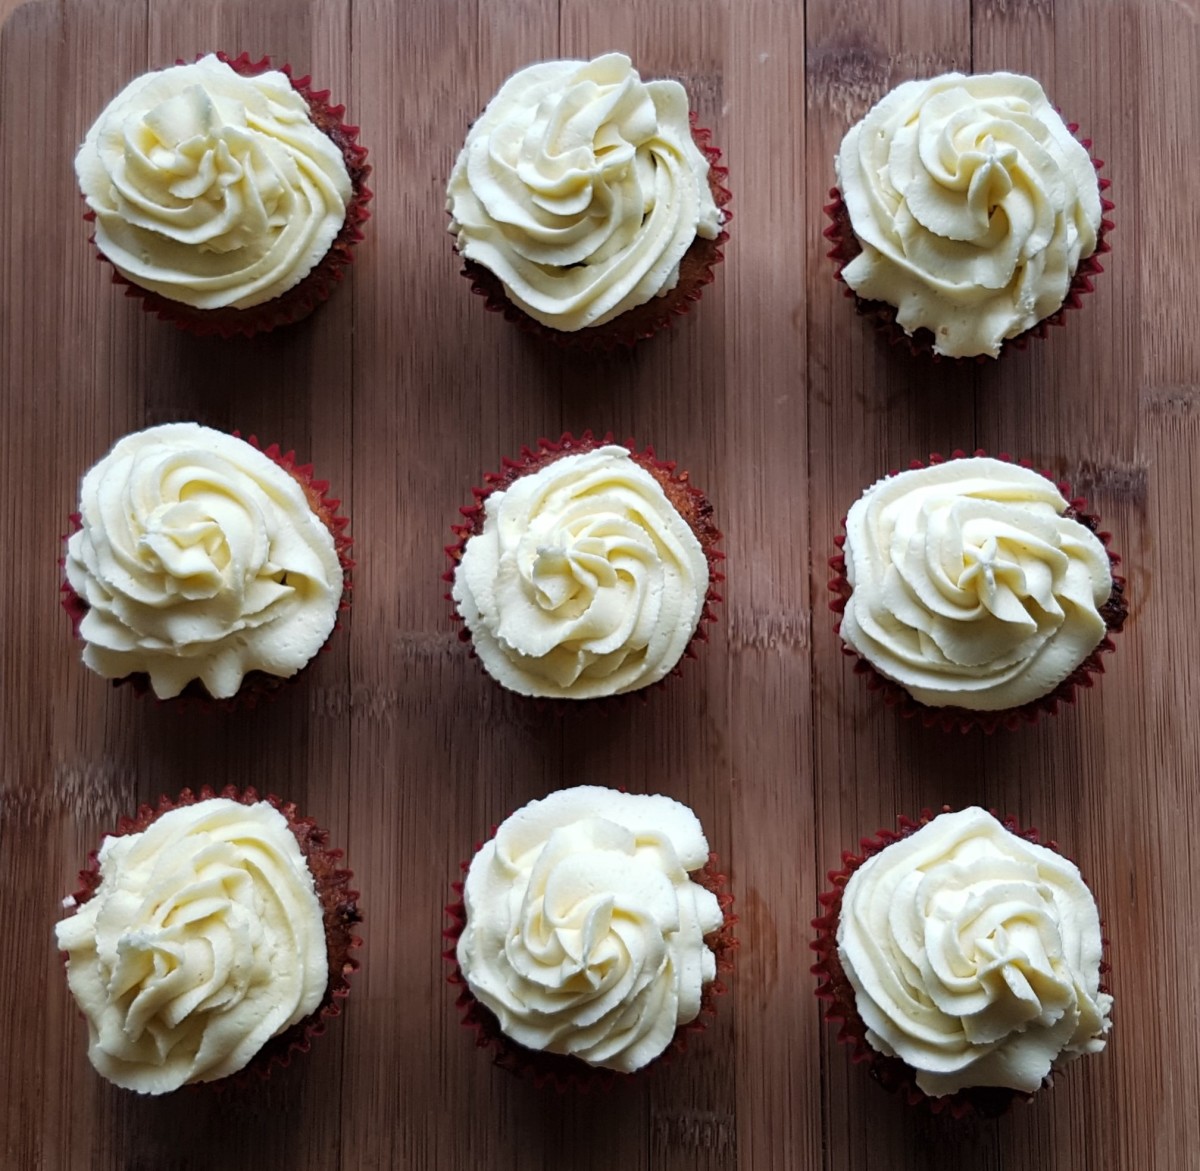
x=784, y=405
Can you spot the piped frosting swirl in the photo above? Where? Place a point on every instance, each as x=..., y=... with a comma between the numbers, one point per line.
x=970, y=588
x=203, y=940
x=973, y=205
x=974, y=956
x=584, y=934
x=213, y=188
x=581, y=188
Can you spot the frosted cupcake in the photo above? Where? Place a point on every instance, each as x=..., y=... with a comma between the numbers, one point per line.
x=586, y=204
x=226, y=194
x=209, y=936
x=966, y=213
x=963, y=960
x=203, y=566
x=585, y=570
x=590, y=934
x=975, y=592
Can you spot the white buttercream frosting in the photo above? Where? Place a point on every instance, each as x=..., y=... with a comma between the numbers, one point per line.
x=581, y=188
x=204, y=939
x=584, y=582
x=974, y=956
x=212, y=188
x=199, y=558
x=970, y=587
x=584, y=933
x=973, y=204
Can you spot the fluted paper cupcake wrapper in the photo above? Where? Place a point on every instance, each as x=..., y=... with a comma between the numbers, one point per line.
x=257, y=685
x=950, y=718
x=642, y=321
x=837, y=993
x=686, y=499
x=339, y=909
x=303, y=298
x=845, y=247
x=561, y=1071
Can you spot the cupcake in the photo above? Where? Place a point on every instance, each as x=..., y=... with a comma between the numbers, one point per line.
x=963, y=960
x=226, y=194
x=586, y=204
x=210, y=936
x=586, y=569
x=966, y=213
x=974, y=592
x=590, y=935
x=203, y=566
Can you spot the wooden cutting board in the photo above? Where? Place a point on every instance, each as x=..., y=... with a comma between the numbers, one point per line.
x=784, y=405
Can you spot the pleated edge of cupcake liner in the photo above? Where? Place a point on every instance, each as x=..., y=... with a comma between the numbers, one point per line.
x=262, y=686
x=663, y=311
x=303, y=298
x=950, y=718
x=339, y=912
x=837, y=994
x=845, y=247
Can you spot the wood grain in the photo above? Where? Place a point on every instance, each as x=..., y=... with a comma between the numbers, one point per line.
x=784, y=405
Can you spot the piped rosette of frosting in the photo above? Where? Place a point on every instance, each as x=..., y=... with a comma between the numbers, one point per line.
x=202, y=566
x=975, y=592
x=967, y=215
x=585, y=569
x=586, y=204
x=226, y=194
x=963, y=961
x=590, y=934
x=210, y=935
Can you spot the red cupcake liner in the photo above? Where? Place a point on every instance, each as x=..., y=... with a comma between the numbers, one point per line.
x=837, y=993
x=303, y=298
x=686, y=499
x=339, y=907
x=846, y=246
x=642, y=321
x=950, y=718
x=561, y=1071
x=256, y=685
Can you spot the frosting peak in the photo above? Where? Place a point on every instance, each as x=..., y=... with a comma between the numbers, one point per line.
x=973, y=205
x=581, y=188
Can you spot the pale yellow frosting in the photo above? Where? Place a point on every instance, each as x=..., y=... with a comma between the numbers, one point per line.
x=581, y=188
x=212, y=188
x=970, y=588
x=199, y=559
x=204, y=939
x=973, y=204
x=585, y=580
x=584, y=933
x=974, y=955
